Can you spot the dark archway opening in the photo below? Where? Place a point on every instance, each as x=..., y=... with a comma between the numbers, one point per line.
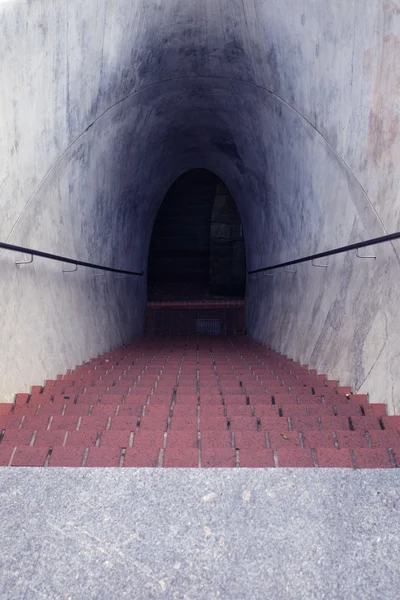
x=197, y=245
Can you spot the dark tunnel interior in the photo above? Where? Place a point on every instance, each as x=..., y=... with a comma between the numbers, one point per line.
x=197, y=246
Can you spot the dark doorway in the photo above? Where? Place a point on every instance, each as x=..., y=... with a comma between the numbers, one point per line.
x=197, y=245
x=227, y=252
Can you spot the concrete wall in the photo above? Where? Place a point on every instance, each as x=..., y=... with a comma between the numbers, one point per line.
x=293, y=103
x=334, y=179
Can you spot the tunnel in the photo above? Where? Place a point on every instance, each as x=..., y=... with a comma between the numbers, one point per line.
x=289, y=104
x=197, y=244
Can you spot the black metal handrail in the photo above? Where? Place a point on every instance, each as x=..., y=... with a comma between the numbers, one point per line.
x=65, y=259
x=342, y=249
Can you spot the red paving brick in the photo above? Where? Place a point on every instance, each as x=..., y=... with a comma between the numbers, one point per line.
x=76, y=410
x=81, y=438
x=305, y=423
x=27, y=456
x=389, y=438
x=34, y=423
x=284, y=399
x=67, y=457
x=186, y=398
x=93, y=423
x=239, y=400
x=135, y=399
x=260, y=411
x=338, y=458
x=108, y=456
x=319, y=439
x=213, y=423
x=284, y=440
x=391, y=422
x=182, y=438
x=111, y=399
x=130, y=410
x=266, y=412
x=378, y=410
x=296, y=457
x=211, y=399
x=366, y=423
x=348, y=410
x=90, y=398
x=320, y=410
x=244, y=423
x=352, y=439
x=66, y=423
x=250, y=440
x=240, y=411
x=261, y=400
x=157, y=412
x=21, y=398
x=216, y=439
x=149, y=438
x=359, y=398
x=310, y=399
x=6, y=451
x=123, y=423
x=275, y=424
x=120, y=439
x=18, y=437
x=335, y=423
x=158, y=402
x=297, y=411
x=372, y=458
x=218, y=457
x=184, y=411
x=181, y=456
x=33, y=408
x=138, y=457
x=396, y=455
x=189, y=422
x=150, y=424
x=257, y=458
x=50, y=438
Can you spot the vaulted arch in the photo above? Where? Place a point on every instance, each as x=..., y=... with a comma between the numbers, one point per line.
x=197, y=244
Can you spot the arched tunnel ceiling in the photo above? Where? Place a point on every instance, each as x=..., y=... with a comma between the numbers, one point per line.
x=292, y=103
x=234, y=86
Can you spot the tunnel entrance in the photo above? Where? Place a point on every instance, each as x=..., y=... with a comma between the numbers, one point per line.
x=197, y=246
x=227, y=252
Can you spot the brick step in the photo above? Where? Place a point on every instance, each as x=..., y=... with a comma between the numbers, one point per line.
x=216, y=457
x=109, y=417
x=151, y=398
x=125, y=433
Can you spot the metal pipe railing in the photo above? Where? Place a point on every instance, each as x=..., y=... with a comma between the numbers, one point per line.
x=64, y=259
x=341, y=250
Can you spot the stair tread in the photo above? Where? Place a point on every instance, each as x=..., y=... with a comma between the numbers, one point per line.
x=170, y=402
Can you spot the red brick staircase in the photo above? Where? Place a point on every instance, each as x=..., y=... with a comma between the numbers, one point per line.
x=197, y=401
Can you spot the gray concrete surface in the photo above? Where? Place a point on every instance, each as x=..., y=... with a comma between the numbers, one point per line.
x=234, y=534
x=293, y=103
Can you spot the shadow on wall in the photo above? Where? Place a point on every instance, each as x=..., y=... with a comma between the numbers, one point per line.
x=197, y=245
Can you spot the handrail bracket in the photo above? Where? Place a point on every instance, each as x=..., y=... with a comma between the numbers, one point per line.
x=25, y=262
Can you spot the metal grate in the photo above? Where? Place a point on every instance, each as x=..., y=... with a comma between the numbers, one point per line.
x=212, y=326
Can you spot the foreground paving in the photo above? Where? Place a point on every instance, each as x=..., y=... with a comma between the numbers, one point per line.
x=200, y=533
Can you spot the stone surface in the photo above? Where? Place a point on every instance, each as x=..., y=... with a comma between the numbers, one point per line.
x=294, y=104
x=90, y=533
